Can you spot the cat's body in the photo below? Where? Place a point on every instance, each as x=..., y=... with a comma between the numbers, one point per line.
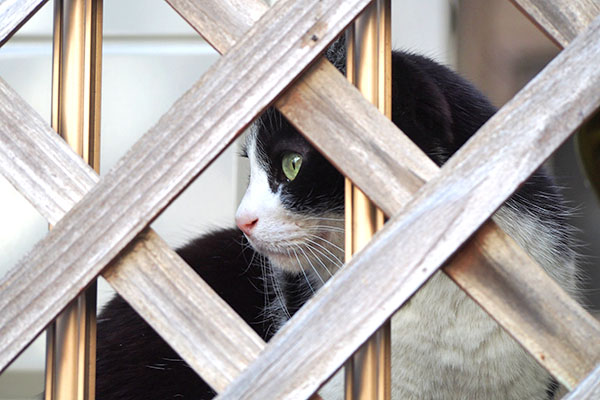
x=444, y=346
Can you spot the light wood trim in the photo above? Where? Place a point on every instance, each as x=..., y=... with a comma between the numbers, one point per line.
x=76, y=84
x=560, y=20
x=443, y=214
x=161, y=164
x=14, y=13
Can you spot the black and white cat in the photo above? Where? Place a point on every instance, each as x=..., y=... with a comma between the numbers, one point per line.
x=444, y=345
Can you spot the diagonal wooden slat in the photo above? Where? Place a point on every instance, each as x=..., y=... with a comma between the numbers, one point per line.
x=226, y=22
x=196, y=129
x=42, y=167
x=589, y=389
x=376, y=152
x=186, y=312
x=561, y=20
x=443, y=214
x=14, y=13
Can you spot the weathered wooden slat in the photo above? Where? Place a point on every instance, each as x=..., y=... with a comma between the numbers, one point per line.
x=53, y=178
x=189, y=315
x=443, y=214
x=562, y=336
x=14, y=13
x=561, y=20
x=376, y=152
x=589, y=389
x=226, y=22
x=184, y=142
x=381, y=160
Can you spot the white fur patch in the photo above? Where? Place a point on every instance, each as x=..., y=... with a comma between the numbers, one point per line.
x=311, y=245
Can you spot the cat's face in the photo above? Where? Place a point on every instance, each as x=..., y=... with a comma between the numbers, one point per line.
x=293, y=209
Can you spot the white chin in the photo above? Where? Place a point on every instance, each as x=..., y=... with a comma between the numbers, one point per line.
x=281, y=259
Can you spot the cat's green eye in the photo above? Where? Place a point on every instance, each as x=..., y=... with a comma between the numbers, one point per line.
x=290, y=164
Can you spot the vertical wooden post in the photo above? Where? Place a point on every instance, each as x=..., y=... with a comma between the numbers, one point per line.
x=368, y=372
x=77, y=53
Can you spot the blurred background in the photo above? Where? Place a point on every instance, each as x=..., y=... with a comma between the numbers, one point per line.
x=151, y=57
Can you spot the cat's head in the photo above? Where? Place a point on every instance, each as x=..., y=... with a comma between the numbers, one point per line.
x=293, y=209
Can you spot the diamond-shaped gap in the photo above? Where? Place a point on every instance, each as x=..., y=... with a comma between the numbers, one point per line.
x=134, y=360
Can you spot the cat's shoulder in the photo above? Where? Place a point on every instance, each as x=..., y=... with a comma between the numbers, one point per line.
x=435, y=106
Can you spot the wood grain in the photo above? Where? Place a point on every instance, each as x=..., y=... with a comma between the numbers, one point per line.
x=14, y=13
x=224, y=21
x=443, y=214
x=327, y=109
x=560, y=20
x=189, y=315
x=149, y=275
x=160, y=165
x=389, y=168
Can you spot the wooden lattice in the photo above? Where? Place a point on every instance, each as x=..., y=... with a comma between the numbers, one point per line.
x=100, y=224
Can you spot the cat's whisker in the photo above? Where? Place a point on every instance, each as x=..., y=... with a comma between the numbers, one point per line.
x=329, y=242
x=324, y=218
x=326, y=228
x=309, y=248
x=335, y=262
x=303, y=272
x=279, y=295
x=311, y=264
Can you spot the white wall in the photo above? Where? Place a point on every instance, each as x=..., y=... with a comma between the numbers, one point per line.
x=151, y=57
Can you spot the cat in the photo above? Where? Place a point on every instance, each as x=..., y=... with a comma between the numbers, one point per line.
x=289, y=242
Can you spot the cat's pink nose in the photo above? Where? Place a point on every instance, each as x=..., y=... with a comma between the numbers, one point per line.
x=246, y=224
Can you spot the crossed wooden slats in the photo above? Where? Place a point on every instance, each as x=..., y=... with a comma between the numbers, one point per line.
x=240, y=85
x=312, y=115
x=476, y=178
x=54, y=178
x=14, y=13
